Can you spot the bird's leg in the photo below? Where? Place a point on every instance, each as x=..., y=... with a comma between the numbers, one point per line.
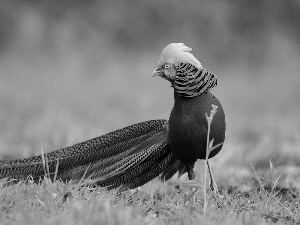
x=213, y=184
x=191, y=173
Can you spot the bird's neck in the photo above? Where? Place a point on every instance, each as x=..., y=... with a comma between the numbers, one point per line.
x=180, y=100
x=183, y=96
x=193, y=82
x=192, y=107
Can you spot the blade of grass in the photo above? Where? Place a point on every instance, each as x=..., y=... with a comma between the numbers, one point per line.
x=81, y=182
x=43, y=159
x=56, y=170
x=209, y=120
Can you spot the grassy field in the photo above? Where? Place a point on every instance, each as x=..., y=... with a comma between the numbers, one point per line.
x=249, y=201
x=79, y=83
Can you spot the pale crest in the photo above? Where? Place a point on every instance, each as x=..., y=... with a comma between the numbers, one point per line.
x=176, y=53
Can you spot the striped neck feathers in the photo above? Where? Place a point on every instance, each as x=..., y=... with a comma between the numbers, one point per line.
x=191, y=81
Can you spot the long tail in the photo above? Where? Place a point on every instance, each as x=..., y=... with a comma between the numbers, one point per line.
x=129, y=157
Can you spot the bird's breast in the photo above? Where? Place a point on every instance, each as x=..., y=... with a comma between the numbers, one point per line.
x=188, y=127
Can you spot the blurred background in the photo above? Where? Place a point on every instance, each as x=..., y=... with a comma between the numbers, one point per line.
x=71, y=70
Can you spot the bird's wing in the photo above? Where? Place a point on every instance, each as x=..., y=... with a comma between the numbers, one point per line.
x=126, y=156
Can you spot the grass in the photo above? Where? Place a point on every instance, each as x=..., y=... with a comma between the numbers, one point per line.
x=45, y=202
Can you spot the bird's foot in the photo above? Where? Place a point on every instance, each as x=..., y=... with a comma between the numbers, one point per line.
x=191, y=175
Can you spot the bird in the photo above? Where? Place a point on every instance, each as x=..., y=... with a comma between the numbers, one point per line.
x=132, y=156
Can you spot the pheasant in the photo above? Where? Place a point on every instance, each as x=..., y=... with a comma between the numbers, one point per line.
x=132, y=156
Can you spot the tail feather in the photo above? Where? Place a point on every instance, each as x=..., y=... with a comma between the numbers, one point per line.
x=111, y=167
x=171, y=169
x=109, y=148
x=156, y=169
x=129, y=157
x=152, y=151
x=133, y=175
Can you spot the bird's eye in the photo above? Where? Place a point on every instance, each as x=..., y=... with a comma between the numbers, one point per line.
x=166, y=66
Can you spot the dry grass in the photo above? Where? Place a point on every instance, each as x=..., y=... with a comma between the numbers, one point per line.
x=255, y=201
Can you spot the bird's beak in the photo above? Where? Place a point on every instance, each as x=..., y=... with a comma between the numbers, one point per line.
x=157, y=72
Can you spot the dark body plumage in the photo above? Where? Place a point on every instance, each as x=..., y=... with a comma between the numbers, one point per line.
x=188, y=127
x=134, y=155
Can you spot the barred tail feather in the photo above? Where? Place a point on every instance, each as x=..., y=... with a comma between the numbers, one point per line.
x=174, y=166
x=149, y=154
x=105, y=150
x=156, y=169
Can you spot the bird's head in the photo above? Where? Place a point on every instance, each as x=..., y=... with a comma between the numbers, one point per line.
x=186, y=74
x=172, y=55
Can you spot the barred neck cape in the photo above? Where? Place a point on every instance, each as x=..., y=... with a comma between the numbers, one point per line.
x=191, y=81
